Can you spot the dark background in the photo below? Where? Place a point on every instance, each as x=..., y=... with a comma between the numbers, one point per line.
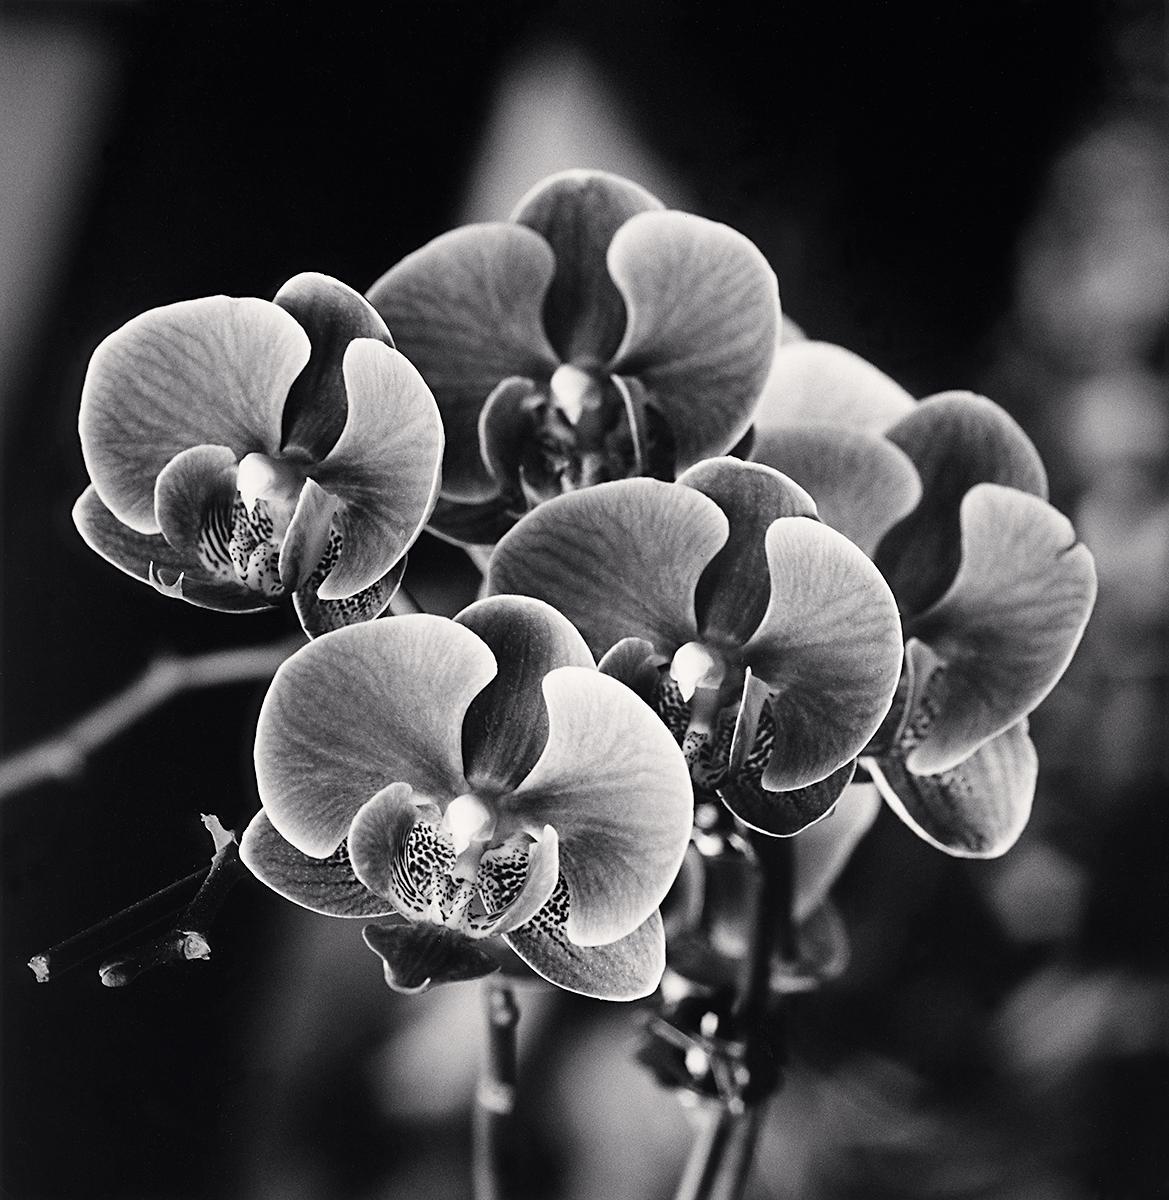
x=894, y=164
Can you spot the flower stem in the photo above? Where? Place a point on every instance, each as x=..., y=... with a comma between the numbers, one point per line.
x=721, y=1159
x=493, y=1156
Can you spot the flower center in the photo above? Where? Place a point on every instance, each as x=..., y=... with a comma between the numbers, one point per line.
x=273, y=480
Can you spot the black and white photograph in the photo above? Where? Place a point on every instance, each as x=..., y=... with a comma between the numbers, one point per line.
x=584, y=600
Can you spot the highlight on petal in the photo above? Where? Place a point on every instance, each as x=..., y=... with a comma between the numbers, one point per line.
x=977, y=808
x=319, y=616
x=627, y=969
x=861, y=482
x=578, y=213
x=333, y=315
x=506, y=726
x=955, y=440
x=358, y=709
x=830, y=647
x=150, y=558
x=703, y=317
x=214, y=371
x=1008, y=625
x=325, y=885
x=619, y=559
x=505, y=425
x=733, y=592
x=420, y=955
x=384, y=468
x=824, y=850
x=614, y=785
x=307, y=535
x=466, y=310
x=817, y=383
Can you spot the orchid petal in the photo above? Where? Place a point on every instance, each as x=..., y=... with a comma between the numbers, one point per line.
x=578, y=213
x=465, y=309
x=703, y=318
x=1008, y=625
x=619, y=559
x=751, y=705
x=359, y=708
x=635, y=663
x=541, y=877
x=325, y=885
x=319, y=616
x=783, y=813
x=384, y=467
x=830, y=647
x=614, y=785
x=307, y=534
x=955, y=440
x=817, y=383
x=976, y=809
x=732, y=594
x=379, y=841
x=481, y=524
x=333, y=315
x=416, y=957
x=506, y=726
x=195, y=488
x=862, y=483
x=150, y=558
x=505, y=425
x=824, y=849
x=212, y=371
x=627, y=969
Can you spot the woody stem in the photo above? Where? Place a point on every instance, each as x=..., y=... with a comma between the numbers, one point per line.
x=494, y=1146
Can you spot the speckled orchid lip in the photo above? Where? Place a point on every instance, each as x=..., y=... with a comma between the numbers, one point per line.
x=475, y=775
x=643, y=335
x=243, y=450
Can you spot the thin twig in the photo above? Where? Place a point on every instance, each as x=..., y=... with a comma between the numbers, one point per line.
x=65, y=754
x=493, y=1158
x=188, y=938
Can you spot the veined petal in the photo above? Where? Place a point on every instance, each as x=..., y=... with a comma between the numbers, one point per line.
x=384, y=467
x=862, y=483
x=195, y=490
x=333, y=315
x=619, y=560
x=955, y=440
x=214, y=371
x=733, y=593
x=817, y=383
x=1008, y=625
x=382, y=854
x=150, y=558
x=506, y=726
x=626, y=969
x=614, y=785
x=703, y=319
x=578, y=213
x=465, y=309
x=824, y=850
x=830, y=647
x=317, y=616
x=325, y=885
x=360, y=708
x=976, y=809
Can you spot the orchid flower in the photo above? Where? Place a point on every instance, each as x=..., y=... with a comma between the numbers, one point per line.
x=949, y=498
x=477, y=777
x=769, y=644
x=593, y=337
x=243, y=450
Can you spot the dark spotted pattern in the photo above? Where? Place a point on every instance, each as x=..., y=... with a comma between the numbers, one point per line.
x=552, y=918
x=240, y=546
x=420, y=874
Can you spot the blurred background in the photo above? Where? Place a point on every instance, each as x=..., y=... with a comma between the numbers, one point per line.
x=971, y=196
